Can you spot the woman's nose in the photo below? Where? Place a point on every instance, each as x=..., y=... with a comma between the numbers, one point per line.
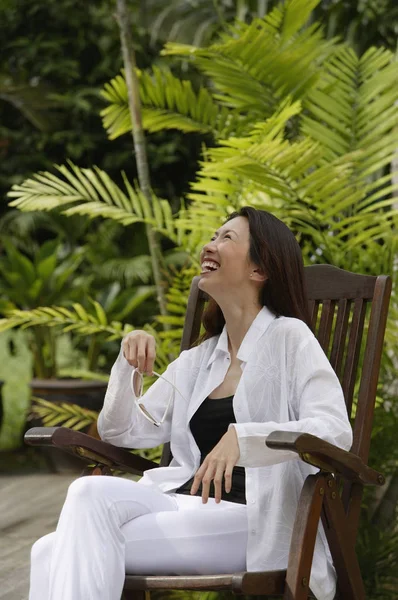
x=210, y=246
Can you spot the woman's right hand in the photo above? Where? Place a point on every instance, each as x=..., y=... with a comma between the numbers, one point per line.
x=139, y=349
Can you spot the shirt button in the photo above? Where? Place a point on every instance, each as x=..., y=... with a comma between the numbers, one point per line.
x=253, y=532
x=252, y=501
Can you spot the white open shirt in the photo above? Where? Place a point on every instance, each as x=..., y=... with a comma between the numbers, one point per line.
x=287, y=384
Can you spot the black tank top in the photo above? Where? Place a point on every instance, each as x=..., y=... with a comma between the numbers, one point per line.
x=208, y=425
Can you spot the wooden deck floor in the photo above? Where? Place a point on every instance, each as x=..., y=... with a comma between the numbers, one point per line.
x=29, y=508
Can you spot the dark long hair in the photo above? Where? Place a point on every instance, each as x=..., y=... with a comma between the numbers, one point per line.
x=276, y=251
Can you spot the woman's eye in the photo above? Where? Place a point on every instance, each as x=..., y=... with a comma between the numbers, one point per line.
x=215, y=237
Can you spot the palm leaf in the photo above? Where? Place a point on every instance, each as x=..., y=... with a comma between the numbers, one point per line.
x=354, y=107
x=236, y=65
x=130, y=270
x=167, y=103
x=75, y=319
x=65, y=414
x=92, y=193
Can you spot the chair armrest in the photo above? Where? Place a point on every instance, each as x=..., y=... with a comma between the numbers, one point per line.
x=325, y=456
x=88, y=448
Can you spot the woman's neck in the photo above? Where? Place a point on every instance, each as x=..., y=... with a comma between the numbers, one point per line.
x=238, y=320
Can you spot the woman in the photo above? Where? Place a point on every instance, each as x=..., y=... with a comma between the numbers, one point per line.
x=226, y=502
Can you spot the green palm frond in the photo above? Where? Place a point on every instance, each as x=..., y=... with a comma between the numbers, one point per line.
x=91, y=192
x=354, y=107
x=167, y=103
x=65, y=414
x=130, y=270
x=305, y=192
x=333, y=198
x=255, y=66
x=244, y=81
x=76, y=319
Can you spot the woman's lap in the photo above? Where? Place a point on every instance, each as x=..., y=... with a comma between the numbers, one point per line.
x=171, y=533
x=196, y=539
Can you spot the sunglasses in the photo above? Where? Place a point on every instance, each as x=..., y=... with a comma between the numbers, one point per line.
x=141, y=406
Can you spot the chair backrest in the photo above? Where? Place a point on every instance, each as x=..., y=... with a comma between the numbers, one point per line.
x=349, y=313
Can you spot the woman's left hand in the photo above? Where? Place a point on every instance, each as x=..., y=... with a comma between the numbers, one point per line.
x=218, y=464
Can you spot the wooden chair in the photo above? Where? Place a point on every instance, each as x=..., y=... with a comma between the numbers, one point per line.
x=350, y=335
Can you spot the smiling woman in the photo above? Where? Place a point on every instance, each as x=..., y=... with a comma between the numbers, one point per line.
x=261, y=264
x=226, y=501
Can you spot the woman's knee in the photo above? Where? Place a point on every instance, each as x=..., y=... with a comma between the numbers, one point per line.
x=41, y=550
x=100, y=490
x=90, y=488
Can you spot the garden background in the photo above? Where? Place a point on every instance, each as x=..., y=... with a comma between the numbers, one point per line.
x=289, y=107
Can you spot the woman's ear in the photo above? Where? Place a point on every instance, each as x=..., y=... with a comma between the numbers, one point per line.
x=259, y=275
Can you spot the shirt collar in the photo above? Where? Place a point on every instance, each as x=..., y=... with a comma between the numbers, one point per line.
x=255, y=331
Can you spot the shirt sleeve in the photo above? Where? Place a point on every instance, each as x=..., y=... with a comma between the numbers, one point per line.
x=121, y=423
x=317, y=402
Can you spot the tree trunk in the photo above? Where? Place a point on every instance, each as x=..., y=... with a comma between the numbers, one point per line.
x=123, y=19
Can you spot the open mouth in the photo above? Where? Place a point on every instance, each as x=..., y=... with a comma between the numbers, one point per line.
x=208, y=266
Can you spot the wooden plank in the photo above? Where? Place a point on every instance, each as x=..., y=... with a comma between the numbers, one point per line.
x=29, y=508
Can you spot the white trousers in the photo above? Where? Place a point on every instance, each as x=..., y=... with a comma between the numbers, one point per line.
x=109, y=526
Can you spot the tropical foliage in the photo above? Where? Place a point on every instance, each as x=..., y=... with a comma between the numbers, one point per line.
x=313, y=140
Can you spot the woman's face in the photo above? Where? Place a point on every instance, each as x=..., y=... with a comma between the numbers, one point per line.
x=225, y=262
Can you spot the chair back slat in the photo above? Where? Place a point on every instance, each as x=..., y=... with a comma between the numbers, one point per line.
x=314, y=307
x=353, y=350
x=325, y=324
x=340, y=333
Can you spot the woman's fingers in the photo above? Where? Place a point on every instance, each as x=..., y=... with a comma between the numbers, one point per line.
x=206, y=482
x=139, y=349
x=141, y=355
x=151, y=355
x=197, y=479
x=218, y=478
x=218, y=463
x=228, y=477
x=210, y=471
x=129, y=351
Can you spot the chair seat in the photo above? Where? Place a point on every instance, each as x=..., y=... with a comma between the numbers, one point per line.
x=269, y=582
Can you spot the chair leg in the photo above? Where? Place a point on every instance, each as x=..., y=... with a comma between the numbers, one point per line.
x=342, y=545
x=303, y=538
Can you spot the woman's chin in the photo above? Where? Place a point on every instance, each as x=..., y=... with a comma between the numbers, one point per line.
x=203, y=284
x=203, y=279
